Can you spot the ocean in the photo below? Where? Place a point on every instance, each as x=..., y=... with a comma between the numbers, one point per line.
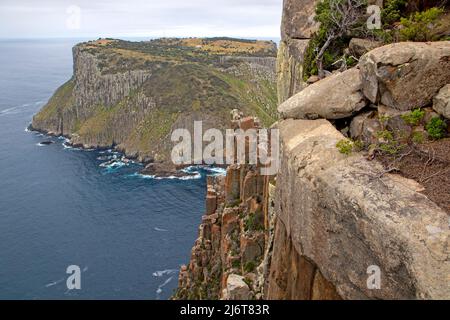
x=60, y=206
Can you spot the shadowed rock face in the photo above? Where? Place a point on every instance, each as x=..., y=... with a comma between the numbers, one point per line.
x=132, y=95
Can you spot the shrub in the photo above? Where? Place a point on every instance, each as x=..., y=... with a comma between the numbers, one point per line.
x=339, y=20
x=236, y=264
x=386, y=135
x=388, y=144
x=418, y=26
x=392, y=11
x=250, y=223
x=436, y=128
x=414, y=117
x=345, y=146
x=249, y=266
x=391, y=148
x=418, y=137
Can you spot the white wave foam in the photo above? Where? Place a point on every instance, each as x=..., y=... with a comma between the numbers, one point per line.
x=213, y=170
x=51, y=284
x=160, y=230
x=140, y=175
x=113, y=164
x=164, y=272
x=217, y=170
x=40, y=144
x=189, y=177
x=160, y=287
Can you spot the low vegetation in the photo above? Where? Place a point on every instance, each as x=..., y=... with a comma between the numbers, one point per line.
x=340, y=20
x=436, y=128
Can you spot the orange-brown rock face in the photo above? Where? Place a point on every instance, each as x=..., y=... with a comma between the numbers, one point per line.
x=292, y=276
x=227, y=256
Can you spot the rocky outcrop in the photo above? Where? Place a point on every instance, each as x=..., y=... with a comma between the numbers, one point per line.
x=405, y=75
x=297, y=27
x=441, y=102
x=337, y=216
x=335, y=223
x=335, y=97
x=290, y=67
x=298, y=19
x=230, y=257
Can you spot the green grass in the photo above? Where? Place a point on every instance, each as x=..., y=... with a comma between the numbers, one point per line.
x=60, y=100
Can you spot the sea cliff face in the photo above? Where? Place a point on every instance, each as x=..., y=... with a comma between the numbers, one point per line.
x=348, y=216
x=133, y=95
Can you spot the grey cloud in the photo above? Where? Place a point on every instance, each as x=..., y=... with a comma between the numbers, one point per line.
x=251, y=18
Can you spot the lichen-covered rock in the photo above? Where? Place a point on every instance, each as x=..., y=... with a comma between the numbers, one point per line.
x=335, y=97
x=405, y=75
x=393, y=121
x=290, y=68
x=441, y=102
x=344, y=217
x=298, y=19
x=364, y=127
x=359, y=47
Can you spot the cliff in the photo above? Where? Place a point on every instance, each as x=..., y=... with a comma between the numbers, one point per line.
x=359, y=207
x=228, y=260
x=132, y=95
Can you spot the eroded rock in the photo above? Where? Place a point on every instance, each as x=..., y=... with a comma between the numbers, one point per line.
x=340, y=217
x=441, y=102
x=405, y=75
x=335, y=97
x=359, y=47
x=236, y=288
x=298, y=19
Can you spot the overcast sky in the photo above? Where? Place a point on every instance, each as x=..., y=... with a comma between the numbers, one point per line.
x=136, y=18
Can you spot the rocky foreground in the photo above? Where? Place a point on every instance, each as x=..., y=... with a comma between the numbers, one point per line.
x=359, y=207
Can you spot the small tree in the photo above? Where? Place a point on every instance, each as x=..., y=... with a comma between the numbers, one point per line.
x=337, y=18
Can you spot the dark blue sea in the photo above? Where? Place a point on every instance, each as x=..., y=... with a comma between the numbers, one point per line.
x=59, y=206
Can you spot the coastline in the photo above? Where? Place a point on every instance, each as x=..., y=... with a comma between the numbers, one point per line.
x=150, y=170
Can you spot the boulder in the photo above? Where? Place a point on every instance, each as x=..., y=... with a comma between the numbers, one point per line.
x=359, y=47
x=364, y=127
x=313, y=79
x=335, y=97
x=405, y=75
x=236, y=288
x=393, y=121
x=441, y=102
x=247, y=123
